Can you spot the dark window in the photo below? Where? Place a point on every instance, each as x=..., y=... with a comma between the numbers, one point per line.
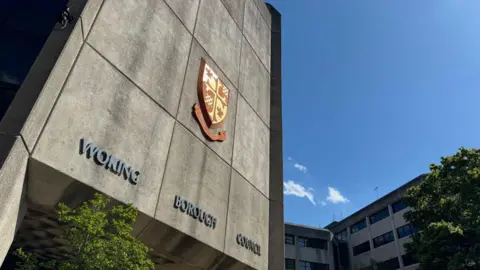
x=289, y=239
x=383, y=239
x=312, y=243
x=409, y=259
x=379, y=216
x=358, y=226
x=399, y=205
x=391, y=264
x=405, y=231
x=303, y=265
x=343, y=235
x=289, y=264
x=362, y=248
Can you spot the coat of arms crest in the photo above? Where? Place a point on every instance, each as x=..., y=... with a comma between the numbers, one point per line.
x=213, y=99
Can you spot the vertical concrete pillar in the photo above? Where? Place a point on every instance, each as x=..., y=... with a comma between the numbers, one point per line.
x=397, y=243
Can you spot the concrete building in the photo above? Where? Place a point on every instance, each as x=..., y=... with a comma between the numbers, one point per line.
x=376, y=233
x=308, y=247
x=129, y=98
x=370, y=239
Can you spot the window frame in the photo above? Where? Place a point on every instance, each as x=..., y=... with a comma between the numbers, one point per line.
x=373, y=218
x=381, y=239
x=411, y=258
x=361, y=252
x=343, y=235
x=291, y=261
x=399, y=202
x=388, y=263
x=288, y=236
x=411, y=230
x=363, y=221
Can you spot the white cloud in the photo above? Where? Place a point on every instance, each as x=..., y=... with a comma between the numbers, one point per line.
x=292, y=188
x=289, y=158
x=300, y=167
x=323, y=203
x=335, y=196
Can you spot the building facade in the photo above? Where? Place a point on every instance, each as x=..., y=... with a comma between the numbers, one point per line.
x=308, y=248
x=173, y=106
x=373, y=238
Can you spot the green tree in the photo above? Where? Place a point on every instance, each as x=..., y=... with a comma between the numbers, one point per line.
x=99, y=237
x=447, y=214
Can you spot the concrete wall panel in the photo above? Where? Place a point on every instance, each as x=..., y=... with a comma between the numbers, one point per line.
x=13, y=166
x=361, y=260
x=186, y=10
x=381, y=227
x=148, y=43
x=359, y=237
x=257, y=32
x=220, y=36
x=384, y=252
x=254, y=83
x=190, y=97
x=247, y=215
x=88, y=15
x=290, y=252
x=100, y=104
x=236, y=9
x=398, y=219
x=251, y=151
x=198, y=175
x=313, y=255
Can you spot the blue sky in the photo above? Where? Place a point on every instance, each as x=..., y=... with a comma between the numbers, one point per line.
x=373, y=92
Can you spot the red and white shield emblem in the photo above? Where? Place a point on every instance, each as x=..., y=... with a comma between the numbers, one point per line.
x=213, y=97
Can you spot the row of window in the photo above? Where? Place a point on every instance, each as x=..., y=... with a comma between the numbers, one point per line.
x=384, y=239
x=393, y=264
x=384, y=213
x=304, y=265
x=307, y=242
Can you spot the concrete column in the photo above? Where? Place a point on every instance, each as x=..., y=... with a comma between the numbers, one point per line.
x=397, y=243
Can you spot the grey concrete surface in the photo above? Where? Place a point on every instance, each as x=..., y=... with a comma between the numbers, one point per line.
x=197, y=174
x=100, y=104
x=265, y=12
x=247, y=215
x=257, y=32
x=220, y=36
x=35, y=98
x=252, y=145
x=151, y=49
x=236, y=9
x=254, y=82
x=190, y=97
x=186, y=10
x=13, y=166
x=384, y=252
x=88, y=15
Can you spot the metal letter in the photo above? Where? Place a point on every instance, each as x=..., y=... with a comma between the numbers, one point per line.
x=112, y=164
x=239, y=239
x=90, y=148
x=184, y=206
x=101, y=157
x=177, y=202
x=127, y=171
x=134, y=177
x=190, y=210
x=214, y=222
x=201, y=216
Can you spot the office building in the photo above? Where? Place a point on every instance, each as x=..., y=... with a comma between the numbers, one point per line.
x=173, y=106
x=372, y=238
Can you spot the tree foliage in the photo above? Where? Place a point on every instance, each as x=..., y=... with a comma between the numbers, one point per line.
x=100, y=238
x=447, y=214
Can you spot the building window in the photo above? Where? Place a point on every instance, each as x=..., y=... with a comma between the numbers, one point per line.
x=343, y=235
x=312, y=243
x=379, y=215
x=398, y=206
x=367, y=268
x=358, y=226
x=289, y=239
x=409, y=259
x=303, y=265
x=391, y=264
x=362, y=248
x=405, y=231
x=289, y=264
x=383, y=239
